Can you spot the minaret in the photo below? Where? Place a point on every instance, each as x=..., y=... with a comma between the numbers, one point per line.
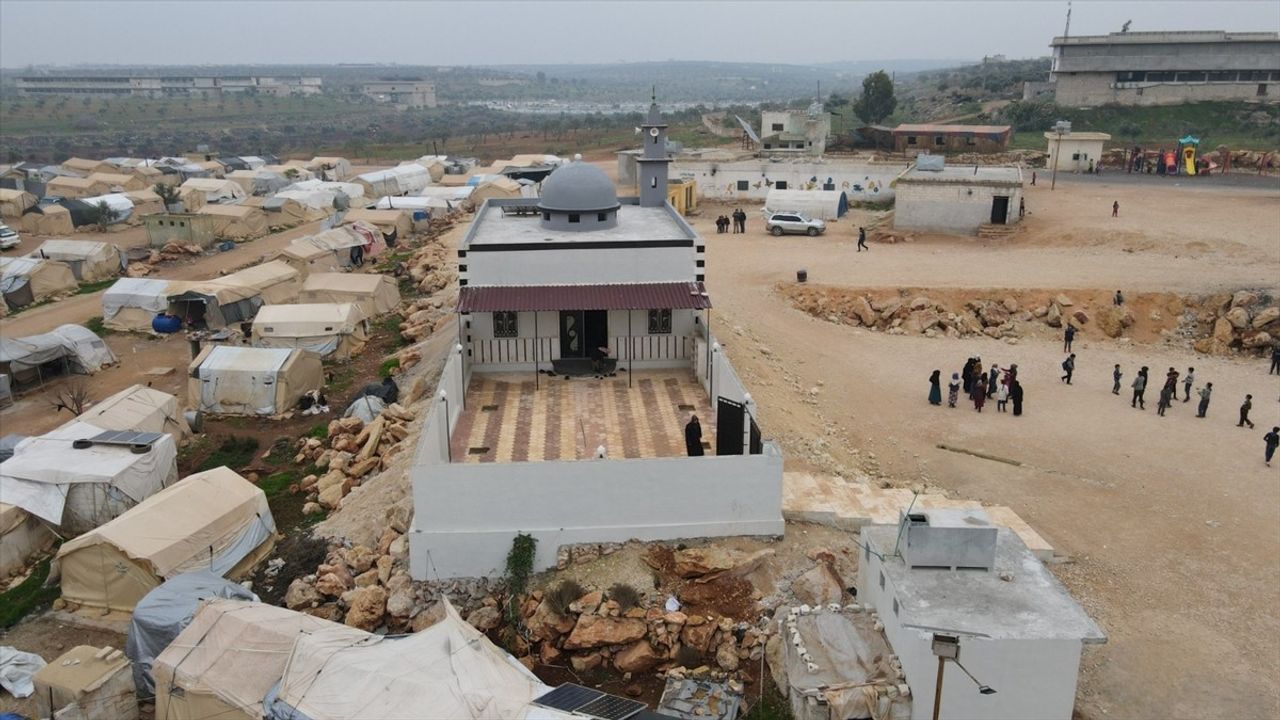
x=653, y=161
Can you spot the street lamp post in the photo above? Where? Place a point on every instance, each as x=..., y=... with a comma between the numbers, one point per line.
x=448, y=435
x=1062, y=127
x=947, y=647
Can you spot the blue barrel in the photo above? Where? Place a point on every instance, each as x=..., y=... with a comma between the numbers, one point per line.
x=419, y=215
x=166, y=324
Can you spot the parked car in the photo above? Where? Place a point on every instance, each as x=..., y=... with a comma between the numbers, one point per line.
x=781, y=223
x=9, y=238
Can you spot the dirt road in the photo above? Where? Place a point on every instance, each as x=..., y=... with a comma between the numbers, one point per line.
x=1173, y=523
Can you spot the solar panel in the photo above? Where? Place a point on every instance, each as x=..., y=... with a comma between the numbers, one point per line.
x=568, y=697
x=611, y=707
x=125, y=437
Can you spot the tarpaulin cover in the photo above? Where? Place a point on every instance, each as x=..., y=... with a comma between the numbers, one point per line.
x=80, y=489
x=17, y=668
x=97, y=260
x=46, y=277
x=323, y=328
x=27, y=353
x=399, y=180
x=165, y=612
x=138, y=408
x=365, y=407
x=351, y=190
x=22, y=535
x=89, y=350
x=131, y=303
x=213, y=520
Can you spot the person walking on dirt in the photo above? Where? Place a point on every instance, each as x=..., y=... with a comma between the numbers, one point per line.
x=1275, y=360
x=1244, y=412
x=862, y=240
x=953, y=390
x=1002, y=398
x=1171, y=382
x=1166, y=399
x=1205, y=392
x=1015, y=394
x=1068, y=336
x=1272, y=440
x=1118, y=300
x=1115, y=209
x=966, y=374
x=1115, y=380
x=1069, y=367
x=1022, y=207
x=1140, y=389
x=1186, y=384
x=742, y=220
x=935, y=388
x=977, y=375
x=980, y=393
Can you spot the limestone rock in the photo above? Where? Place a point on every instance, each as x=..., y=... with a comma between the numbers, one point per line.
x=332, y=584
x=1243, y=299
x=639, y=656
x=727, y=654
x=584, y=663
x=774, y=657
x=550, y=654
x=1262, y=339
x=1010, y=305
x=360, y=558
x=547, y=624
x=1080, y=316
x=1063, y=301
x=921, y=302
x=697, y=562
x=820, y=585
x=368, y=607
x=992, y=314
x=1238, y=317
x=301, y=594
x=485, y=618
x=1222, y=330
x=587, y=603
x=1266, y=317
x=1040, y=312
x=1053, y=317
x=864, y=311
x=698, y=637
x=595, y=631
x=400, y=597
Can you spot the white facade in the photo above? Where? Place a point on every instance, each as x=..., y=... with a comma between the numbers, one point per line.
x=957, y=200
x=539, y=339
x=753, y=179
x=794, y=131
x=1074, y=151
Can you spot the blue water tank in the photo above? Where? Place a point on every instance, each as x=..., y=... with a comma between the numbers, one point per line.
x=165, y=324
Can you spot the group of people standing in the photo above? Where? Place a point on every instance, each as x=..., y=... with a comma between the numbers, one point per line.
x=738, y=220
x=979, y=386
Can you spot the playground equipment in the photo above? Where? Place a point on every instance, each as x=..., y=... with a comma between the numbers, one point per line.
x=1169, y=162
x=1187, y=148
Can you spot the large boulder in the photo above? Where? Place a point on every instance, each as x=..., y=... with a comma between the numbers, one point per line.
x=727, y=654
x=818, y=586
x=698, y=637
x=697, y=562
x=864, y=311
x=1265, y=317
x=992, y=314
x=639, y=656
x=547, y=624
x=1243, y=299
x=1223, y=330
x=368, y=607
x=485, y=618
x=1063, y=301
x=1262, y=339
x=1053, y=318
x=1114, y=320
x=595, y=631
x=301, y=594
x=1238, y=317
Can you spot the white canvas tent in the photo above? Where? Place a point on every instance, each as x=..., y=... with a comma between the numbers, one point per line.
x=330, y=168
x=354, y=191
x=307, y=258
x=212, y=191
x=139, y=408
x=78, y=489
x=132, y=303
x=89, y=260
x=374, y=294
x=404, y=179
x=342, y=242
x=452, y=194
x=820, y=204
x=415, y=203
x=449, y=670
x=71, y=348
x=335, y=330
x=213, y=520
x=28, y=280
x=22, y=535
x=224, y=663
x=230, y=380
x=91, y=354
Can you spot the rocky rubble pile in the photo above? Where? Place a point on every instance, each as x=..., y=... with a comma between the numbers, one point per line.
x=170, y=251
x=1245, y=320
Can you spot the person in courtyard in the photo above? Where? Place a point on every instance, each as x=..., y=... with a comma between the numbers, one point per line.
x=1115, y=209
x=1140, y=389
x=966, y=373
x=1118, y=300
x=1245, y=407
x=693, y=437
x=980, y=393
x=1068, y=367
x=1115, y=380
x=1068, y=336
x=862, y=240
x=1033, y=177
x=1002, y=398
x=1022, y=207
x=1186, y=384
x=1205, y=392
x=1015, y=395
x=953, y=390
x=1166, y=399
x=977, y=375
x=993, y=379
x=935, y=388
x=1272, y=440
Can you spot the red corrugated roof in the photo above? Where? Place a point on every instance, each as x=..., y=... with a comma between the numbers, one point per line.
x=977, y=129
x=621, y=296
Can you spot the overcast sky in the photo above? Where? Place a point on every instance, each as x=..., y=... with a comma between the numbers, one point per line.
x=69, y=32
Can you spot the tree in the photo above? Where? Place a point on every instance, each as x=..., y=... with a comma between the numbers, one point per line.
x=877, y=101
x=168, y=194
x=101, y=215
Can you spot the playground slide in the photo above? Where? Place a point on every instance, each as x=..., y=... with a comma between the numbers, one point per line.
x=1189, y=162
x=1170, y=166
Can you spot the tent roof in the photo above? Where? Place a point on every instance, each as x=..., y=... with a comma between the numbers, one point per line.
x=307, y=317
x=112, y=178
x=74, y=248
x=231, y=358
x=174, y=529
x=75, y=182
x=262, y=276
x=333, y=239
x=236, y=211
x=136, y=408
x=346, y=282
x=377, y=217
x=211, y=185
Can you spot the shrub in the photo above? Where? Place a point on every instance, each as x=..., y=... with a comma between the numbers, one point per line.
x=389, y=367
x=626, y=596
x=562, y=596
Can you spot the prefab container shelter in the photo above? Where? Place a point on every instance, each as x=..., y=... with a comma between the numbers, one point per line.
x=213, y=520
x=28, y=280
x=76, y=489
x=335, y=330
x=224, y=663
x=89, y=260
x=820, y=204
x=374, y=294
x=231, y=380
x=236, y=222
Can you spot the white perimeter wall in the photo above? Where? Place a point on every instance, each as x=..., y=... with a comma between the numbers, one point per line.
x=1033, y=679
x=868, y=182
x=953, y=208
x=572, y=267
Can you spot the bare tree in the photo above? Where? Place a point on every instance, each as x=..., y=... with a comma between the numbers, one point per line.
x=73, y=397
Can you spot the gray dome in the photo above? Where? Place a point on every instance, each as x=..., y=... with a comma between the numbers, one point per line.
x=578, y=188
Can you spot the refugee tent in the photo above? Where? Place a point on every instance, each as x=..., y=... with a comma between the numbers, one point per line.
x=22, y=535
x=48, y=220
x=232, y=163
x=148, y=175
x=348, y=243
x=85, y=166
x=139, y=408
x=499, y=187
x=215, y=168
x=330, y=168
x=452, y=194
x=75, y=187
x=89, y=260
x=449, y=670
x=213, y=304
x=78, y=488
x=222, y=665
x=820, y=204
x=258, y=182
x=307, y=258
x=353, y=191
x=69, y=348
x=120, y=182
x=374, y=294
x=275, y=281
x=282, y=211
x=145, y=202
x=213, y=520
x=413, y=204
x=230, y=380
x=13, y=203
x=236, y=222
x=253, y=161
x=391, y=223
x=317, y=200
x=132, y=303
x=86, y=683
x=118, y=202
x=291, y=172
x=28, y=280
x=164, y=612
x=336, y=330
x=404, y=179
x=212, y=191
x=89, y=352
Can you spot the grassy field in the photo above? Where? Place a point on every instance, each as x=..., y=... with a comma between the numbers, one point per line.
x=1237, y=125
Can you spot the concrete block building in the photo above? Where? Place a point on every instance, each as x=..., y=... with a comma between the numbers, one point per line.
x=942, y=139
x=584, y=347
x=796, y=132
x=402, y=92
x=961, y=200
x=1075, y=151
x=1164, y=68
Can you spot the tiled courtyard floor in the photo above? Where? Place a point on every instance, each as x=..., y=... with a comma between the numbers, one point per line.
x=508, y=420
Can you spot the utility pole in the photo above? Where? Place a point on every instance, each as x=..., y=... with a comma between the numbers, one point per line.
x=1062, y=127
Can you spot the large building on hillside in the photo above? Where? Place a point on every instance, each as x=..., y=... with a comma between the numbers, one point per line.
x=167, y=86
x=1164, y=68
x=402, y=92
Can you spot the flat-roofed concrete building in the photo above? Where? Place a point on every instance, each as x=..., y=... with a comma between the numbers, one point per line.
x=167, y=85
x=1165, y=68
x=957, y=199
x=402, y=92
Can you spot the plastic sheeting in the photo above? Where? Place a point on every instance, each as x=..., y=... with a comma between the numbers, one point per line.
x=118, y=202
x=365, y=407
x=252, y=381
x=399, y=180
x=17, y=669
x=90, y=351
x=87, y=352
x=148, y=296
x=165, y=612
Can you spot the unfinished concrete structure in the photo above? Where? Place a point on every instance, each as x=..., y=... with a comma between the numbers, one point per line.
x=401, y=92
x=1165, y=68
x=795, y=132
x=961, y=200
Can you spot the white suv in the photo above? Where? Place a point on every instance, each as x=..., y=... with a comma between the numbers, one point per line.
x=8, y=238
x=780, y=223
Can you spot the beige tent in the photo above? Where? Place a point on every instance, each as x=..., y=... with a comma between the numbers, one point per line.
x=222, y=664
x=236, y=222
x=215, y=168
x=292, y=173
x=213, y=190
x=96, y=682
x=496, y=188
x=44, y=279
x=75, y=187
x=335, y=330
x=139, y=408
x=89, y=260
x=232, y=380
x=120, y=182
x=275, y=281
x=330, y=168
x=212, y=304
x=132, y=303
x=308, y=258
x=15, y=202
x=387, y=221
x=21, y=536
x=85, y=166
x=213, y=520
x=374, y=294
x=149, y=175
x=48, y=220
x=283, y=212
x=145, y=202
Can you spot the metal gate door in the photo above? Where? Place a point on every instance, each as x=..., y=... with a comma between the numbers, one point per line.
x=757, y=443
x=729, y=426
